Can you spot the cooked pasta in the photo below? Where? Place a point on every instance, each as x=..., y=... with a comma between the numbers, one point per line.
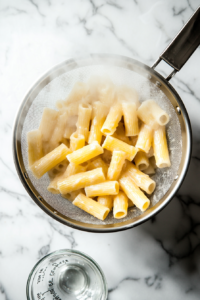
x=50, y=160
x=100, y=148
x=160, y=148
x=120, y=205
x=117, y=162
x=92, y=207
x=102, y=189
x=134, y=193
x=80, y=180
x=112, y=144
x=84, y=154
x=35, y=152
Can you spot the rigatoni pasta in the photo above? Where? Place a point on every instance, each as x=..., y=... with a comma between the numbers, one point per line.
x=130, y=118
x=102, y=189
x=120, y=205
x=34, y=139
x=112, y=120
x=86, y=153
x=100, y=148
x=92, y=207
x=117, y=162
x=84, y=117
x=112, y=144
x=160, y=148
x=80, y=180
x=50, y=160
x=107, y=201
x=134, y=193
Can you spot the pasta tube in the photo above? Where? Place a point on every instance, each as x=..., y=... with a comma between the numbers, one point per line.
x=84, y=117
x=142, y=180
x=151, y=114
x=120, y=205
x=77, y=141
x=53, y=185
x=49, y=117
x=117, y=162
x=58, y=132
x=102, y=189
x=71, y=196
x=91, y=207
x=35, y=152
x=107, y=201
x=98, y=163
x=144, y=138
x=120, y=134
x=150, y=170
x=80, y=180
x=84, y=154
x=141, y=161
x=99, y=116
x=112, y=144
x=112, y=120
x=160, y=148
x=134, y=193
x=130, y=118
x=74, y=169
x=49, y=161
x=150, y=153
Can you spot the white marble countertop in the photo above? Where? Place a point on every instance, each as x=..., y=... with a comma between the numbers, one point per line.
x=157, y=260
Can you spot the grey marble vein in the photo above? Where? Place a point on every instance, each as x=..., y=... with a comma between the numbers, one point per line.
x=160, y=258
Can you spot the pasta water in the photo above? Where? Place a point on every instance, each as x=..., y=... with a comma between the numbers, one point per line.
x=66, y=274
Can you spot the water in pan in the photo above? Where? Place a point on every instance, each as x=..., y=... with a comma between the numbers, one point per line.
x=58, y=89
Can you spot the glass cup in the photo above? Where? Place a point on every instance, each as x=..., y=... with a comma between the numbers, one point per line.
x=66, y=274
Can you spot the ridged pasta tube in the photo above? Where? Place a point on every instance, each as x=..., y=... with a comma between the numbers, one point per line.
x=102, y=189
x=49, y=161
x=81, y=180
x=77, y=141
x=91, y=207
x=112, y=144
x=35, y=152
x=84, y=154
x=98, y=163
x=130, y=118
x=99, y=116
x=117, y=162
x=107, y=201
x=134, y=193
x=120, y=205
x=112, y=120
x=151, y=113
x=84, y=117
x=160, y=148
x=145, y=137
x=142, y=180
x=141, y=161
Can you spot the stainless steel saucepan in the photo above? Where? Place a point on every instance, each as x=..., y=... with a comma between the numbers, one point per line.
x=56, y=84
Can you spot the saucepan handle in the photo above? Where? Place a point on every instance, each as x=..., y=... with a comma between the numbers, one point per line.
x=183, y=45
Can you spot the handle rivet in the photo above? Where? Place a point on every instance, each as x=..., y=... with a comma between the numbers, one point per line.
x=26, y=175
x=178, y=110
x=158, y=84
x=176, y=177
x=149, y=76
x=40, y=198
x=55, y=212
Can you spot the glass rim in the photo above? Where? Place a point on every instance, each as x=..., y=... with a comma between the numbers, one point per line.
x=60, y=251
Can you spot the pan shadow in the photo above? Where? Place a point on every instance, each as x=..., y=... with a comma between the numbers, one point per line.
x=177, y=227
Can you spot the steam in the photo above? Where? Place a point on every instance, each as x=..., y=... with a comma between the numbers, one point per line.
x=60, y=84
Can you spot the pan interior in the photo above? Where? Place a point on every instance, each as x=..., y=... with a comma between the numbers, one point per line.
x=58, y=89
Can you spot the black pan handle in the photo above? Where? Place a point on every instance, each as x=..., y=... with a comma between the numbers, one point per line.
x=183, y=45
